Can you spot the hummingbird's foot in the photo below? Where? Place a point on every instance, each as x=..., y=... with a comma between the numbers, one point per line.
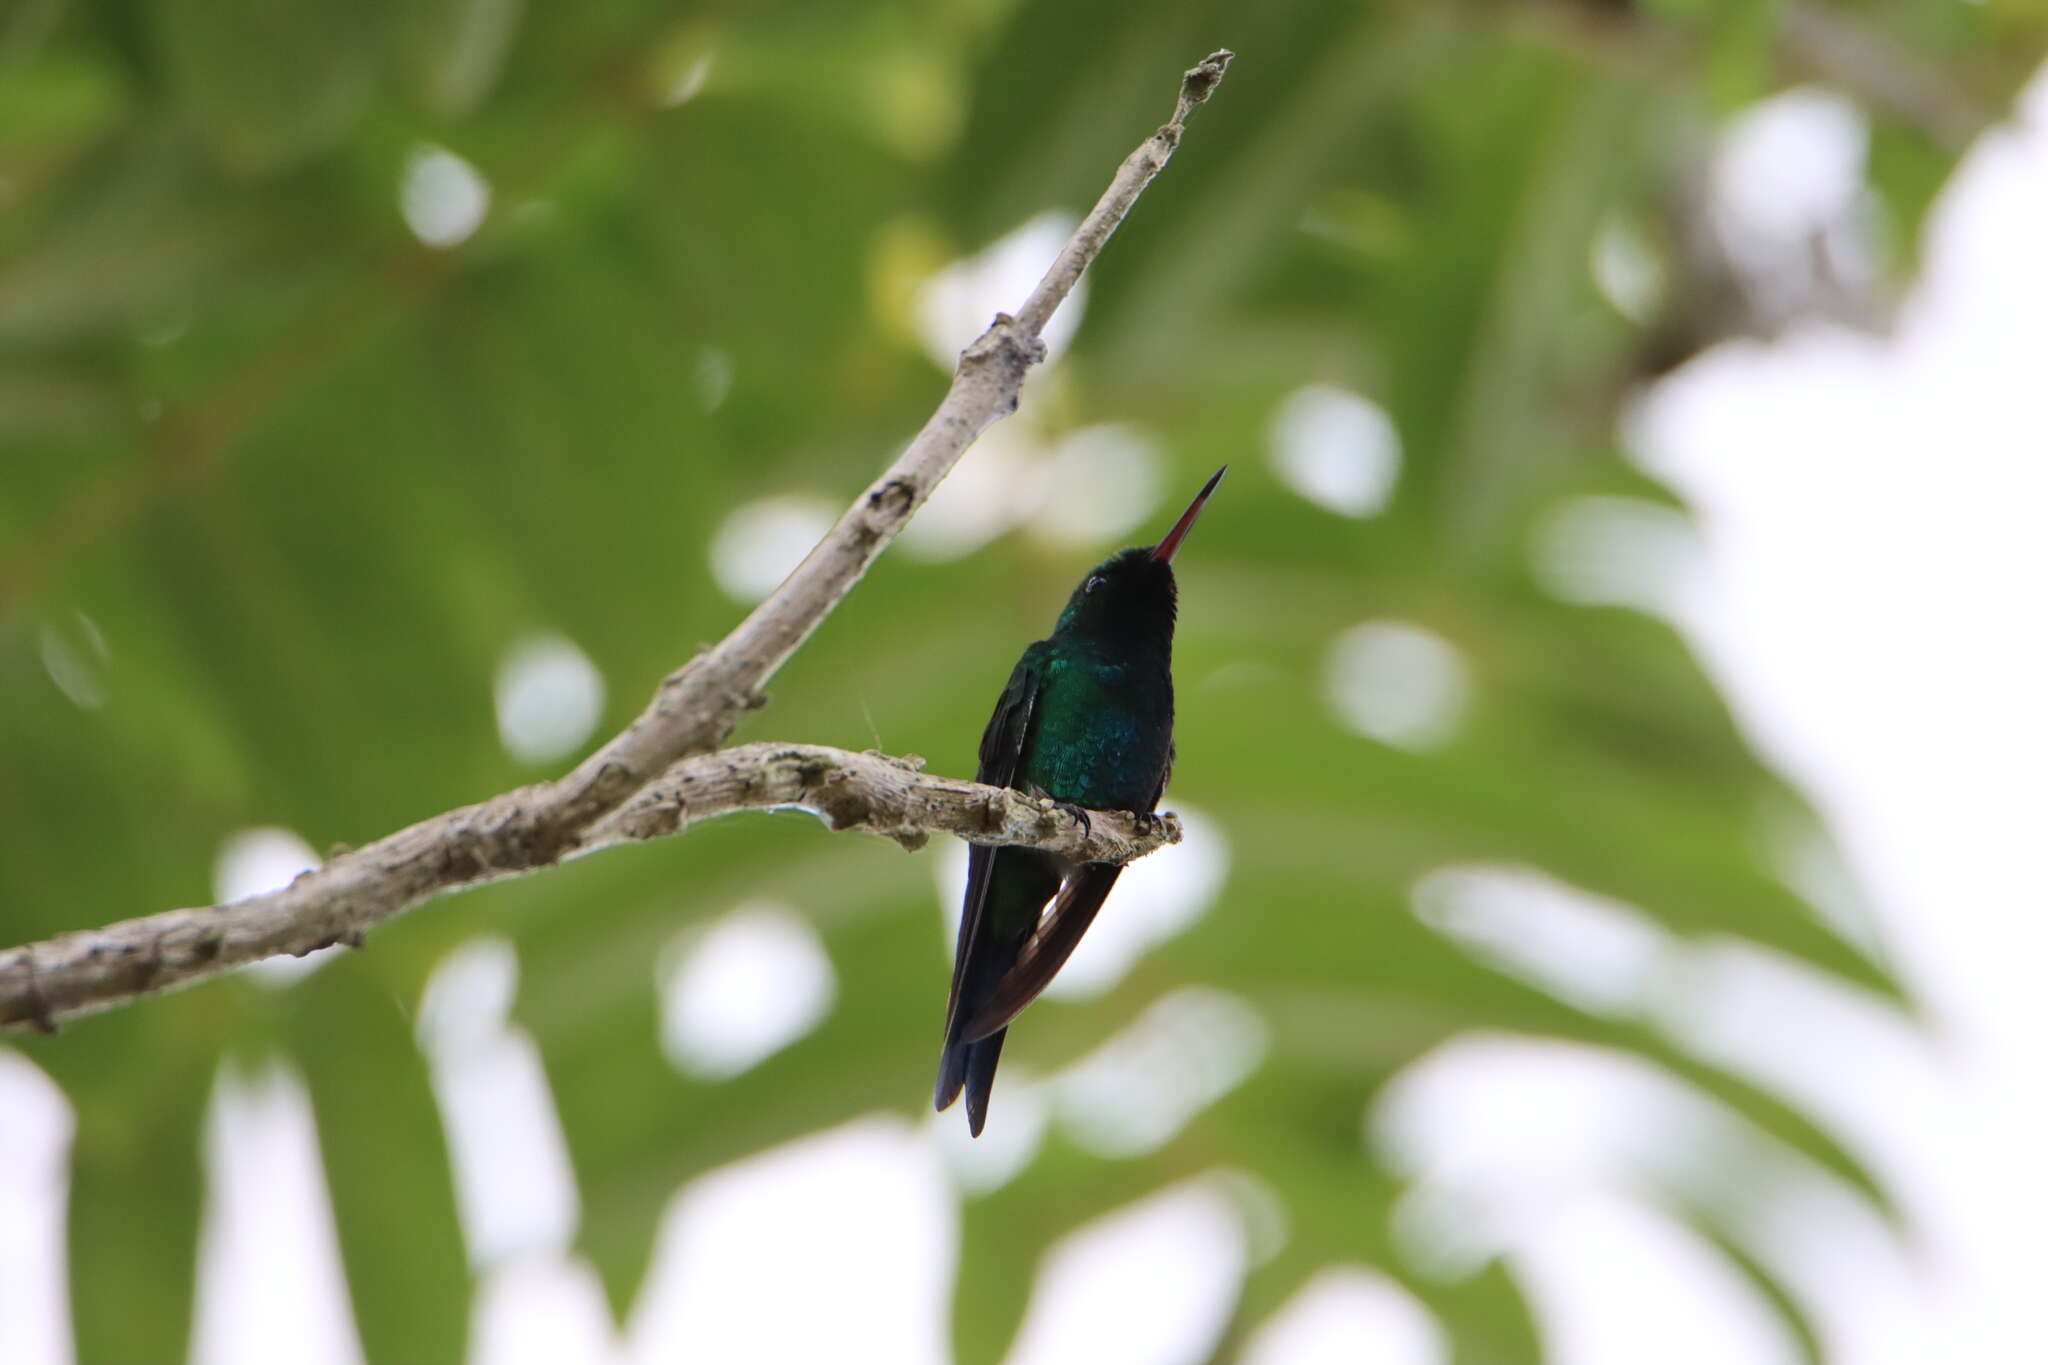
x=1147, y=823
x=1079, y=815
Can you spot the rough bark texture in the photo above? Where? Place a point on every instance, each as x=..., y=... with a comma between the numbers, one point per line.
x=96, y=969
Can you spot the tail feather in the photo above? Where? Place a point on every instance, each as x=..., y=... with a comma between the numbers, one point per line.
x=981, y=1079
x=1014, y=887
x=972, y=1067
x=952, y=1075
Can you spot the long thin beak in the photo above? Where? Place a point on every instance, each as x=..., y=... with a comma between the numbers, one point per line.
x=1165, y=549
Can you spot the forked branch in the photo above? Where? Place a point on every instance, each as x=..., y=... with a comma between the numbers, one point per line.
x=665, y=771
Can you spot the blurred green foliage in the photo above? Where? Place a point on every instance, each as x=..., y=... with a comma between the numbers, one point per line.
x=308, y=478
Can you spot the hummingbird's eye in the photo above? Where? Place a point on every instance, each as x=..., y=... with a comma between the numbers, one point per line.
x=1095, y=580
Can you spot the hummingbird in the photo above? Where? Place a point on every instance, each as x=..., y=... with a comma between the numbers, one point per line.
x=1087, y=720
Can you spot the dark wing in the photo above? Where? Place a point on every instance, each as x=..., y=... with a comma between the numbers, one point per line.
x=1003, y=746
x=1047, y=950
x=1054, y=941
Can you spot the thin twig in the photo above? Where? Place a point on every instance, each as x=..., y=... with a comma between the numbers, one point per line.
x=659, y=775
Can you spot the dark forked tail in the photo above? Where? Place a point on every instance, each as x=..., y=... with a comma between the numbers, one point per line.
x=1006, y=890
x=971, y=1066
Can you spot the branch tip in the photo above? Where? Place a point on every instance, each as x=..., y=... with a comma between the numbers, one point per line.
x=1201, y=82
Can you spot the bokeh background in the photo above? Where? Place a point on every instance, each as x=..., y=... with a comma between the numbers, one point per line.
x=1609, y=927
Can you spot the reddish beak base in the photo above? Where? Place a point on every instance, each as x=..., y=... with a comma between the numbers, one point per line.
x=1164, y=551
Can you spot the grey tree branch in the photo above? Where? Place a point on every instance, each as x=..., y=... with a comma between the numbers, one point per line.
x=891, y=797
x=699, y=705
x=95, y=969
x=659, y=775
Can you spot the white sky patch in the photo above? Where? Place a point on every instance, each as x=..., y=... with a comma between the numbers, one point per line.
x=957, y=304
x=1260, y=1210
x=1870, y=1299
x=996, y=485
x=1019, y=1113
x=550, y=698
x=468, y=999
x=542, y=1310
x=1590, y=952
x=1567, y=1159
x=1789, y=166
x=1102, y=485
x=1788, y=176
x=741, y=990
x=1805, y=859
x=1499, y=1131
x=949, y=879
x=444, y=198
x=270, y=1277
x=514, y=1187
x=1870, y=509
x=1627, y=270
x=1151, y=1284
x=1157, y=898
x=1335, y=448
x=75, y=657
x=1603, y=551
x=1397, y=683
x=1861, y=1067
x=259, y=859
x=760, y=542
x=35, y=1177
x=262, y=858
x=1685, y=1304
x=1348, y=1315
x=843, y=1240
x=1135, y=1092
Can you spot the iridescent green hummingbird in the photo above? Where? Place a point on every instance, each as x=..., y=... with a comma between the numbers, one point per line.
x=1087, y=719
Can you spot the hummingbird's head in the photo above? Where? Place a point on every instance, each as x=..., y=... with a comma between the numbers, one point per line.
x=1131, y=594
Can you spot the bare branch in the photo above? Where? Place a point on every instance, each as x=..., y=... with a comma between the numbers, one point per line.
x=1131, y=179
x=700, y=705
x=42, y=984
x=659, y=775
x=890, y=797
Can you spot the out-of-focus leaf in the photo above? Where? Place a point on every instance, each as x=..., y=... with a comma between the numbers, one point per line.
x=24, y=26
x=387, y=1167
x=267, y=84
x=140, y=1087
x=455, y=49
x=48, y=112
x=286, y=486
x=1741, y=42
